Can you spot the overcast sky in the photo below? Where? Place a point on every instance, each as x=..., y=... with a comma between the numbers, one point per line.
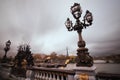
x=40, y=23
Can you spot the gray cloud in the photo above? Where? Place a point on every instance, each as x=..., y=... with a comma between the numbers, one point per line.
x=41, y=23
x=106, y=46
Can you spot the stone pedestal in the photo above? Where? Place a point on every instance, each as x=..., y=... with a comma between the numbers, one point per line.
x=82, y=73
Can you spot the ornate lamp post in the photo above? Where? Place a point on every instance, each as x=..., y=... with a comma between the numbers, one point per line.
x=7, y=48
x=83, y=58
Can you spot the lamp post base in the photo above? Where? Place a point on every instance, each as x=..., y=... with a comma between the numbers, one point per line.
x=84, y=60
x=4, y=59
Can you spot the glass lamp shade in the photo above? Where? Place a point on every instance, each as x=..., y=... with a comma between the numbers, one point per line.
x=89, y=17
x=77, y=15
x=76, y=10
x=8, y=43
x=68, y=23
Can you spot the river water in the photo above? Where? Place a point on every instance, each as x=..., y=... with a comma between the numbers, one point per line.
x=108, y=68
x=102, y=67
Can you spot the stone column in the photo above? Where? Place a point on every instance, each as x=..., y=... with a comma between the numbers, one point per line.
x=85, y=73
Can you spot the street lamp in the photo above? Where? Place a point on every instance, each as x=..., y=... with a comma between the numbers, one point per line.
x=83, y=58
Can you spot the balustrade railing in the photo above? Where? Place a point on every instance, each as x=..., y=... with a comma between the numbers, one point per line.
x=41, y=73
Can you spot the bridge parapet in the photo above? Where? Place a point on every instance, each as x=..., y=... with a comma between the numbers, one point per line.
x=42, y=73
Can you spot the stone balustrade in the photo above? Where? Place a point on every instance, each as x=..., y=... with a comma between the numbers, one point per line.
x=42, y=73
x=5, y=72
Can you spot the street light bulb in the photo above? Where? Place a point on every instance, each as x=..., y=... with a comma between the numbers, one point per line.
x=89, y=18
x=77, y=14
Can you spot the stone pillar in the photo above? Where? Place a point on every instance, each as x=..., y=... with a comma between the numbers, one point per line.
x=84, y=73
